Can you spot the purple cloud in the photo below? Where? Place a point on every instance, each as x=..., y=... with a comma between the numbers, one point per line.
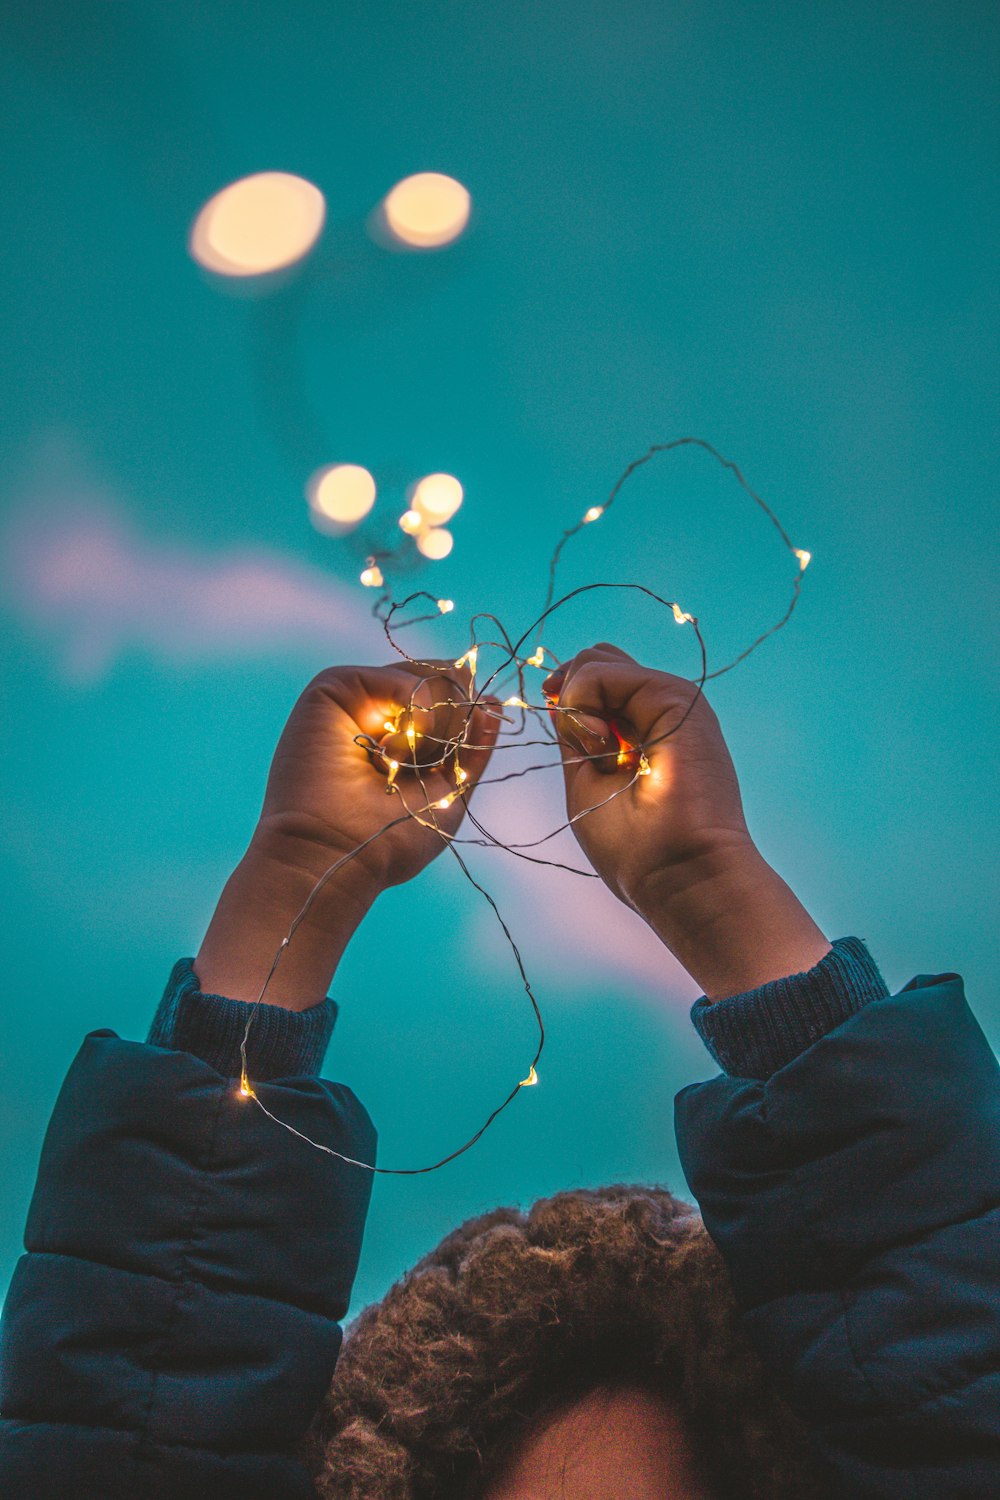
x=75, y=569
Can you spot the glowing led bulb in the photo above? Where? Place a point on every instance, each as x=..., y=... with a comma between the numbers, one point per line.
x=461, y=776
x=444, y=802
x=393, y=772
x=446, y=606
x=342, y=493
x=411, y=735
x=436, y=497
x=623, y=754
x=411, y=521
x=593, y=514
x=514, y=703
x=805, y=558
x=537, y=659
x=435, y=543
x=680, y=616
x=258, y=225
x=531, y=1080
x=469, y=659
x=427, y=210
x=246, y=1092
x=645, y=769
x=371, y=577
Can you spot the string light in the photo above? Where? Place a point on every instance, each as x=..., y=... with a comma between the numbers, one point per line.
x=371, y=577
x=472, y=700
x=258, y=225
x=593, y=514
x=446, y=606
x=436, y=543
x=411, y=521
x=427, y=210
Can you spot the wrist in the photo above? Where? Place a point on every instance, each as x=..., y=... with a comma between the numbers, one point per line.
x=262, y=899
x=732, y=922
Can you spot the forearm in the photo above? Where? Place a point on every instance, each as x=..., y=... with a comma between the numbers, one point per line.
x=261, y=900
x=733, y=923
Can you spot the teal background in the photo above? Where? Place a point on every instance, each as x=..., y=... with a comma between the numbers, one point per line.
x=773, y=226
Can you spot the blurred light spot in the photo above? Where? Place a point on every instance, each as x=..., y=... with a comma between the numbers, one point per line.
x=343, y=493
x=427, y=209
x=436, y=543
x=411, y=521
x=371, y=577
x=437, y=496
x=258, y=224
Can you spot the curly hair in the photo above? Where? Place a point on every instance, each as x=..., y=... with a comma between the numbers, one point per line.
x=515, y=1316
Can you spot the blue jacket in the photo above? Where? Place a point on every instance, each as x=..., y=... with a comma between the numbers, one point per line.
x=175, y=1320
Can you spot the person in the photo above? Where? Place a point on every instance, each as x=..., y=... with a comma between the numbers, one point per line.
x=829, y=1324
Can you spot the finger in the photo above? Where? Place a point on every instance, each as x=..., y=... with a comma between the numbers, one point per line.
x=431, y=717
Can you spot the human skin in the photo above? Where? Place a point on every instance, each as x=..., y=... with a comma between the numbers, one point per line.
x=325, y=796
x=616, y=1444
x=675, y=846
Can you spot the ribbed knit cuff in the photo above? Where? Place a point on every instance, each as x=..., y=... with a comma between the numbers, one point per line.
x=282, y=1043
x=754, y=1034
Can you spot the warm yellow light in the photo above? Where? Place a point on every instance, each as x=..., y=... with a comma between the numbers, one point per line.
x=593, y=514
x=427, y=209
x=469, y=659
x=514, y=703
x=805, y=558
x=461, y=776
x=343, y=493
x=389, y=727
x=531, y=1080
x=411, y=521
x=444, y=802
x=645, y=769
x=436, y=543
x=411, y=734
x=258, y=224
x=680, y=616
x=393, y=772
x=246, y=1092
x=537, y=659
x=372, y=578
x=623, y=755
x=446, y=606
x=437, y=497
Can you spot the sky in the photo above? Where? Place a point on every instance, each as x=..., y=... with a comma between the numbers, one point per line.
x=772, y=227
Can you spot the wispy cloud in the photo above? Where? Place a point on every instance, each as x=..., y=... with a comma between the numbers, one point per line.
x=76, y=569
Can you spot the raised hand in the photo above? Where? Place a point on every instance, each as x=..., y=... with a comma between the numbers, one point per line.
x=327, y=795
x=674, y=845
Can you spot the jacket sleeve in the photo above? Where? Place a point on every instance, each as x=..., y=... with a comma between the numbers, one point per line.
x=854, y=1191
x=175, y=1321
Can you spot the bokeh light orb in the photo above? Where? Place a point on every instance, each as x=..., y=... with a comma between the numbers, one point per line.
x=436, y=543
x=258, y=224
x=342, y=493
x=427, y=209
x=437, y=496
